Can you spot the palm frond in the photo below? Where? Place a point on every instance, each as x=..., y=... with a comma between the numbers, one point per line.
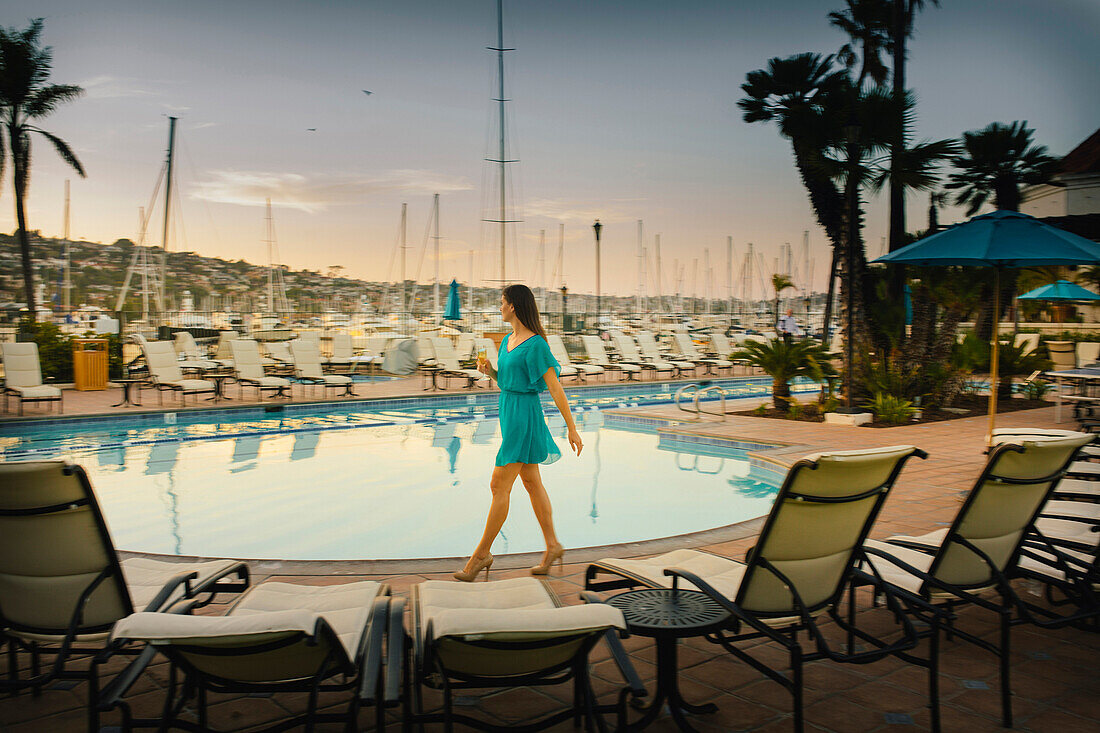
x=47, y=99
x=63, y=150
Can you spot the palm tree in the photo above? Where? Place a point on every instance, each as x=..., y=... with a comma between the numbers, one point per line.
x=793, y=92
x=996, y=161
x=867, y=23
x=779, y=284
x=26, y=96
x=784, y=361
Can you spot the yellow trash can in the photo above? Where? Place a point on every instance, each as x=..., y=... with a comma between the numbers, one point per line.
x=90, y=364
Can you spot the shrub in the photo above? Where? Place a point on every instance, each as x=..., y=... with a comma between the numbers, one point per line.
x=761, y=410
x=794, y=409
x=1035, y=390
x=891, y=409
x=784, y=361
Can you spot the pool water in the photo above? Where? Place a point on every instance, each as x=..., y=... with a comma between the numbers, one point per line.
x=338, y=483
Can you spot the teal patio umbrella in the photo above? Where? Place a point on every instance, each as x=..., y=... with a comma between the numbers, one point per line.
x=453, y=311
x=1061, y=291
x=998, y=240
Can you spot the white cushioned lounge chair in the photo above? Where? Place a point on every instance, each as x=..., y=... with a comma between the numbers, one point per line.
x=687, y=349
x=807, y=553
x=971, y=561
x=165, y=373
x=23, y=376
x=190, y=356
x=558, y=350
x=506, y=633
x=597, y=356
x=344, y=355
x=62, y=585
x=223, y=354
x=307, y=368
x=278, y=637
x=652, y=352
x=447, y=361
x=249, y=371
x=629, y=352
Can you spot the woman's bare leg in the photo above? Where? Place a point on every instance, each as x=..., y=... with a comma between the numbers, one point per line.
x=540, y=501
x=501, y=486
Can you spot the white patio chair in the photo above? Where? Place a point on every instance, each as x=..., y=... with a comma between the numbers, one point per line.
x=23, y=376
x=597, y=356
x=559, y=352
x=306, y=361
x=165, y=373
x=249, y=371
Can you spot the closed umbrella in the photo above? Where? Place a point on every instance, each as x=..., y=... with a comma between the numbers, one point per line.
x=453, y=311
x=998, y=240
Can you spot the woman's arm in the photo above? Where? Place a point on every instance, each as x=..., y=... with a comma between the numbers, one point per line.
x=562, y=402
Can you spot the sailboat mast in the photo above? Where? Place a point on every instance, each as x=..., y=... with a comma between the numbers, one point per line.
x=404, y=219
x=167, y=203
x=270, y=258
x=657, y=265
x=68, y=255
x=500, y=149
x=435, y=219
x=729, y=275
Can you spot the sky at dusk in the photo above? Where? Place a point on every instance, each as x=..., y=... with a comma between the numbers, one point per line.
x=622, y=111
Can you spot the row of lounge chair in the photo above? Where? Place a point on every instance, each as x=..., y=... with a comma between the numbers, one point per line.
x=63, y=590
x=166, y=371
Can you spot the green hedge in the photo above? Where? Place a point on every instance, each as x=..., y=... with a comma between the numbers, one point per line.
x=55, y=350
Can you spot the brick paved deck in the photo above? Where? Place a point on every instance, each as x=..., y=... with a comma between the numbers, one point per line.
x=1055, y=677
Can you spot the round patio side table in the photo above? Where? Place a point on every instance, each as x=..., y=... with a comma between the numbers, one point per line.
x=667, y=615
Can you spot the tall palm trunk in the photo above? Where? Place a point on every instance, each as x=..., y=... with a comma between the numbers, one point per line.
x=896, y=280
x=830, y=296
x=19, y=177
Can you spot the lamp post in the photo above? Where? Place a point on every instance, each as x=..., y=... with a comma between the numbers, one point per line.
x=597, y=227
x=564, y=295
x=851, y=133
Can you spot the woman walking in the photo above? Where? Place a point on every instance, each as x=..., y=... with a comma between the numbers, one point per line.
x=525, y=368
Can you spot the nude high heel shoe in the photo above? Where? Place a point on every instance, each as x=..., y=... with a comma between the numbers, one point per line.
x=557, y=552
x=483, y=564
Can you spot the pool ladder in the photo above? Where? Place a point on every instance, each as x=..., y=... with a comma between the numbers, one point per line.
x=701, y=389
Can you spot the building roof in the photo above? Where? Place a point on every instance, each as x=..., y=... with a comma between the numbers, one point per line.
x=1083, y=225
x=1085, y=158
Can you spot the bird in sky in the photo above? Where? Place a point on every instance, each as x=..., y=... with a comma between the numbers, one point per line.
x=367, y=93
x=311, y=129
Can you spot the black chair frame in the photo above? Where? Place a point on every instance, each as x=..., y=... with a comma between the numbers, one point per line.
x=197, y=595
x=366, y=680
x=1010, y=602
x=807, y=615
x=427, y=670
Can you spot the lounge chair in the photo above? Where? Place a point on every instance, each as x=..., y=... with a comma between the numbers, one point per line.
x=464, y=346
x=628, y=349
x=500, y=634
x=344, y=356
x=593, y=346
x=277, y=638
x=23, y=376
x=447, y=361
x=426, y=350
x=62, y=585
x=223, y=355
x=306, y=361
x=558, y=350
x=798, y=571
x=687, y=349
x=249, y=371
x=978, y=553
x=1088, y=352
x=279, y=360
x=189, y=354
x=650, y=351
x=165, y=373
x=1029, y=342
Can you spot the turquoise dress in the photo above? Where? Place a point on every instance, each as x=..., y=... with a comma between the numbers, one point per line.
x=524, y=435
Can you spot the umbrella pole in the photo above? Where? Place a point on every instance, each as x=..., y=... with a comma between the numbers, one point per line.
x=993, y=358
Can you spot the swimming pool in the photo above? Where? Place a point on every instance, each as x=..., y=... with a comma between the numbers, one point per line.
x=385, y=479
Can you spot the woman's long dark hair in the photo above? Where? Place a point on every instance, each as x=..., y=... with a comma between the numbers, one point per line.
x=527, y=311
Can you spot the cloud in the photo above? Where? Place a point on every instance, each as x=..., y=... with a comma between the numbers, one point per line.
x=113, y=87
x=574, y=211
x=317, y=193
